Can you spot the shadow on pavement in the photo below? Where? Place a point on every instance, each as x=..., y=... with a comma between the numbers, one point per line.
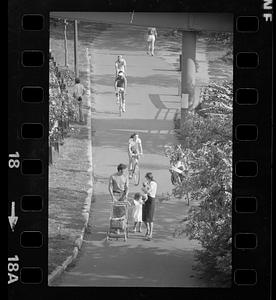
x=153, y=143
x=162, y=80
x=137, y=262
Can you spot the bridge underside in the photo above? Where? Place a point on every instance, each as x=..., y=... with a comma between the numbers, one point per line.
x=185, y=21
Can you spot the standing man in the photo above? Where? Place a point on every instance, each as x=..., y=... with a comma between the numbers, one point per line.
x=118, y=184
x=152, y=34
x=78, y=93
x=120, y=65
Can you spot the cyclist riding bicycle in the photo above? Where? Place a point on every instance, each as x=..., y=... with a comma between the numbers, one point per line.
x=120, y=87
x=120, y=65
x=134, y=151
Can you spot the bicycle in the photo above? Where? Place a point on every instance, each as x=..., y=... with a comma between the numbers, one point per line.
x=135, y=172
x=120, y=99
x=175, y=177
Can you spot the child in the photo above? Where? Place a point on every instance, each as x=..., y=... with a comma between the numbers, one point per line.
x=137, y=213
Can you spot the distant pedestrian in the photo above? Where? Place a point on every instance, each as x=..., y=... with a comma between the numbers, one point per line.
x=78, y=93
x=150, y=189
x=120, y=65
x=151, y=37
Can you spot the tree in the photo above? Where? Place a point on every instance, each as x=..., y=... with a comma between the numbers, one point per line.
x=207, y=149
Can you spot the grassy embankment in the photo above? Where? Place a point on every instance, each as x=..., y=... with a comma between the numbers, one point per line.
x=69, y=179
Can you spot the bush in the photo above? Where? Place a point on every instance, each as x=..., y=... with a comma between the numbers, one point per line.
x=62, y=106
x=210, y=181
x=207, y=150
x=212, y=119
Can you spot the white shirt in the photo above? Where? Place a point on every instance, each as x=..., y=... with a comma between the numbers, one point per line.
x=135, y=144
x=180, y=164
x=152, y=189
x=152, y=31
x=79, y=90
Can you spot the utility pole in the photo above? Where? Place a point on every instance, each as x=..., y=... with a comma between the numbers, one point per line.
x=76, y=48
x=65, y=44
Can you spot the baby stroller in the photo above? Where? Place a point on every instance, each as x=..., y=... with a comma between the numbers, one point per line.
x=118, y=221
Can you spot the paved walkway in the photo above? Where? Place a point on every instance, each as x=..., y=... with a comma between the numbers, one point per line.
x=152, y=102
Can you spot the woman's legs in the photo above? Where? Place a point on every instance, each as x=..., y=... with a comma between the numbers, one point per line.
x=152, y=46
x=149, y=45
x=147, y=226
x=134, y=227
x=139, y=226
x=150, y=229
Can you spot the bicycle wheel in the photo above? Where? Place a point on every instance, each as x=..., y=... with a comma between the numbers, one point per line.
x=136, y=174
x=120, y=104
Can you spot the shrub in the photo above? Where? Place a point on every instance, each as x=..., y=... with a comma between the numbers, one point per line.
x=207, y=149
x=62, y=107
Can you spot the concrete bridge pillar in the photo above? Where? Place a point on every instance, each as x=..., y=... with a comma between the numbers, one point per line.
x=188, y=73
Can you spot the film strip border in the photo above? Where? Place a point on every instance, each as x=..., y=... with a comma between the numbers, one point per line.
x=28, y=156
x=251, y=148
x=28, y=151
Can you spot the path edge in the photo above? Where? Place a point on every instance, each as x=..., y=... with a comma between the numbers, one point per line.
x=87, y=202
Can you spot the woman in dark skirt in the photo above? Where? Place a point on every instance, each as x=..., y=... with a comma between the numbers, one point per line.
x=149, y=188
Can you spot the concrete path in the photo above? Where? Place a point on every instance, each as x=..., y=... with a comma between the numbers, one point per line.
x=152, y=102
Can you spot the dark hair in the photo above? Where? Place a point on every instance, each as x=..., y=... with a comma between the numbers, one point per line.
x=121, y=167
x=137, y=196
x=77, y=80
x=149, y=176
x=133, y=135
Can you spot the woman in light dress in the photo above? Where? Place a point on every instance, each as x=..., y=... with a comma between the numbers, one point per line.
x=139, y=200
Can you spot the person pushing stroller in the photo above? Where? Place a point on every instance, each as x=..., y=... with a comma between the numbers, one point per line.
x=119, y=184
